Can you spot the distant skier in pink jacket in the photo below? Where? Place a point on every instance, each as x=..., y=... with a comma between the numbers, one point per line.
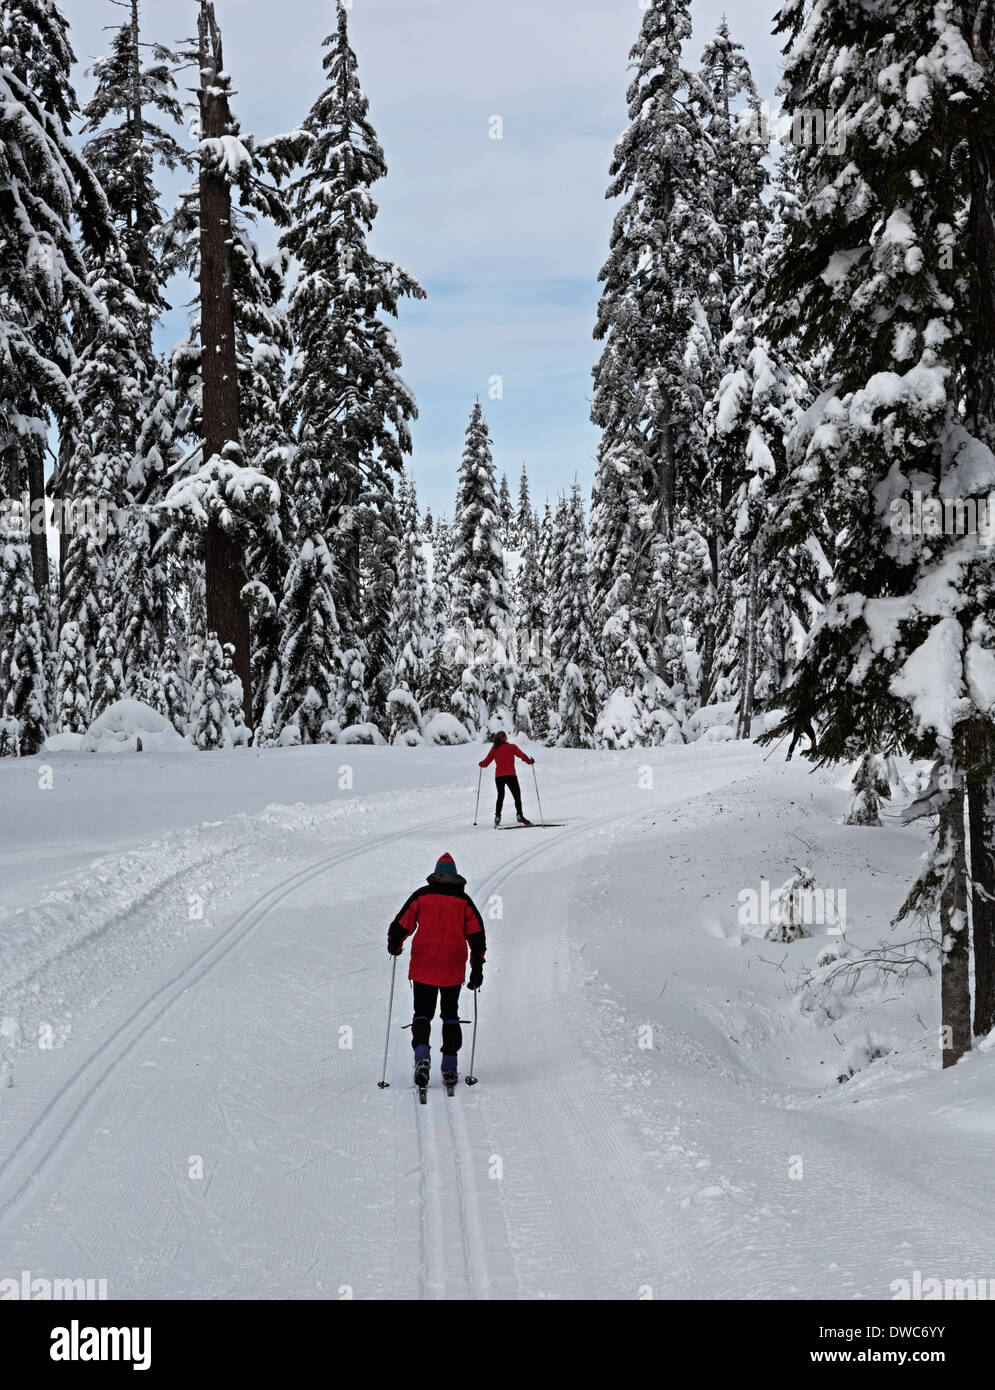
x=503, y=755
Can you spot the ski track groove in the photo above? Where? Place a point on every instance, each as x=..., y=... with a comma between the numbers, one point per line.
x=142, y=1019
x=447, y=1229
x=579, y=1248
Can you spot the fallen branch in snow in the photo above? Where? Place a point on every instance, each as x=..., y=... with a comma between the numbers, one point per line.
x=891, y=961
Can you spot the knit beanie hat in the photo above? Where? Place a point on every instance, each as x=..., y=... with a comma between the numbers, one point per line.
x=445, y=865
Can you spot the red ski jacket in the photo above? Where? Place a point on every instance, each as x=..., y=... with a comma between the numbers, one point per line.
x=503, y=756
x=446, y=927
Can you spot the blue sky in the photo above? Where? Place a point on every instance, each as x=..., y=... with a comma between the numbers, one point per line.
x=508, y=235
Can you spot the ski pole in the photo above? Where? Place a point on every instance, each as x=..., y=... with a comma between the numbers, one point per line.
x=384, y=1084
x=477, y=807
x=471, y=1080
x=542, y=818
x=776, y=746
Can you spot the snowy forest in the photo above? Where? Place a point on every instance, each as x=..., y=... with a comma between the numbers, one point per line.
x=792, y=346
x=483, y=844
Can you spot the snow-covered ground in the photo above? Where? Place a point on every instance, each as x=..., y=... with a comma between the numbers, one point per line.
x=193, y=994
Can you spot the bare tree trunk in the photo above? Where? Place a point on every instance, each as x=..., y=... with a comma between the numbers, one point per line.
x=38, y=539
x=981, y=415
x=981, y=811
x=224, y=563
x=748, y=669
x=981, y=241
x=666, y=501
x=955, y=984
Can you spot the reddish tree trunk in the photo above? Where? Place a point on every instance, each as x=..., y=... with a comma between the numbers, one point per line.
x=224, y=563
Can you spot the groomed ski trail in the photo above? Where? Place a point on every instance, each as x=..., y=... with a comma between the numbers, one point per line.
x=503, y=1197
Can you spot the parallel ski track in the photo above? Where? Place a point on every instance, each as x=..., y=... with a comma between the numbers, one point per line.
x=446, y=1228
x=39, y=1148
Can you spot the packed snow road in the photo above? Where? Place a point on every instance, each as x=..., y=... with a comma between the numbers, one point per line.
x=194, y=1030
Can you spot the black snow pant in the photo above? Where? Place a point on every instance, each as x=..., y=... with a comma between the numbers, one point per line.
x=512, y=784
x=426, y=997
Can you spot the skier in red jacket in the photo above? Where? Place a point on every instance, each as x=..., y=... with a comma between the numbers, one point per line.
x=444, y=924
x=503, y=755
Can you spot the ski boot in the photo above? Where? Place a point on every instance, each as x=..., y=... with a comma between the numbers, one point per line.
x=523, y=821
x=450, y=1075
x=423, y=1071
x=497, y=822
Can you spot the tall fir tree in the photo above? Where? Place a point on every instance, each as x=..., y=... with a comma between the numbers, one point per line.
x=52, y=212
x=308, y=704
x=412, y=624
x=578, y=679
x=657, y=364
x=131, y=120
x=509, y=536
x=23, y=683
x=733, y=119
x=524, y=517
x=441, y=632
x=482, y=613
x=870, y=279
x=352, y=409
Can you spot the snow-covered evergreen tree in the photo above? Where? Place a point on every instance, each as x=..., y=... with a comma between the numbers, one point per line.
x=657, y=366
x=870, y=787
x=770, y=593
x=176, y=693
x=792, y=907
x=52, y=210
x=524, y=517
x=412, y=622
x=482, y=613
x=532, y=625
x=137, y=602
x=135, y=91
x=870, y=279
x=73, y=692
x=441, y=639
x=577, y=677
x=509, y=535
x=739, y=181
x=107, y=680
x=23, y=686
x=308, y=704
x=211, y=714
x=353, y=411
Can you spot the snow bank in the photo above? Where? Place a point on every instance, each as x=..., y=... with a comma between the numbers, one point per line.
x=119, y=729
x=445, y=729
x=367, y=734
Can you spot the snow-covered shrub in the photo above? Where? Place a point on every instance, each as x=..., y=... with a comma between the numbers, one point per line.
x=367, y=734
x=405, y=718
x=211, y=725
x=791, y=908
x=10, y=737
x=870, y=786
x=119, y=729
x=863, y=1052
x=819, y=1003
x=619, y=725
x=713, y=723
x=445, y=730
